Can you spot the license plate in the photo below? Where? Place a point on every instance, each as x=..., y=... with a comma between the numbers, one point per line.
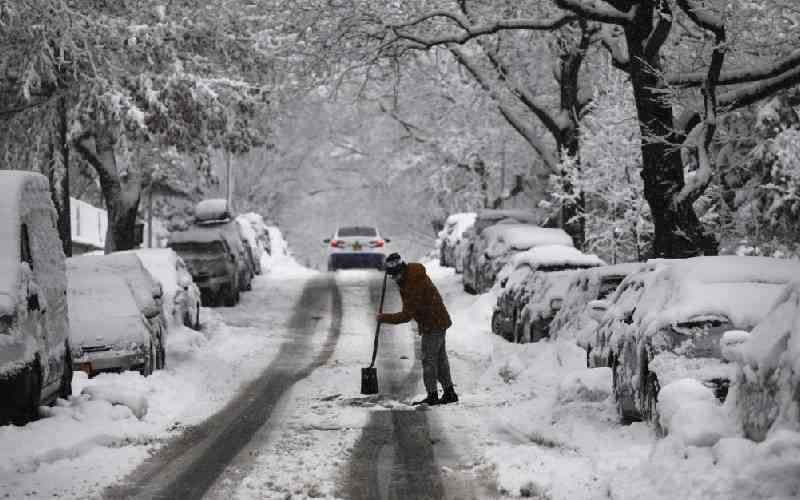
x=356, y=246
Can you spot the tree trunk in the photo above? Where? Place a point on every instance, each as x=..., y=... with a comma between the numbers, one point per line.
x=121, y=194
x=678, y=231
x=65, y=217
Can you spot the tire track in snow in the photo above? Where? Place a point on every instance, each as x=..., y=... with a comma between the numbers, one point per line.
x=394, y=458
x=186, y=468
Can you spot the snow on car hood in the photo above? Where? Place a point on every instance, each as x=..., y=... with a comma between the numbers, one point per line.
x=502, y=238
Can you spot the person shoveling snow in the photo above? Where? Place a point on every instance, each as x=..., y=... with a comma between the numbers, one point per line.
x=422, y=303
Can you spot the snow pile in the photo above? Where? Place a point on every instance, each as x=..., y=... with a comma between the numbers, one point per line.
x=555, y=255
x=454, y=228
x=730, y=343
x=118, y=394
x=593, y=385
x=504, y=238
x=689, y=411
x=211, y=210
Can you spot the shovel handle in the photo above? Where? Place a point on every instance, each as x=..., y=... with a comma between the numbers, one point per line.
x=378, y=326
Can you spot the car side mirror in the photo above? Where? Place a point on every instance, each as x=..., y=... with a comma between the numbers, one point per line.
x=387, y=240
x=597, y=308
x=185, y=282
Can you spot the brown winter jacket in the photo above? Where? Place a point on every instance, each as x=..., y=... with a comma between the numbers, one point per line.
x=421, y=302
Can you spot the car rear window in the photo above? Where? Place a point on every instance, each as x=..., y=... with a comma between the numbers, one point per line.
x=357, y=231
x=211, y=247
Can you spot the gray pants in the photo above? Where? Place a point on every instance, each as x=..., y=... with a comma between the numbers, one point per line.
x=435, y=366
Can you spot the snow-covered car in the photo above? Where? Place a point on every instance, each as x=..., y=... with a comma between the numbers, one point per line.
x=35, y=365
x=575, y=320
x=181, y=299
x=767, y=361
x=450, y=237
x=215, y=214
x=255, y=243
x=356, y=247
x=116, y=314
x=211, y=262
x=533, y=285
x=260, y=230
x=473, y=244
x=493, y=248
x=680, y=319
x=615, y=314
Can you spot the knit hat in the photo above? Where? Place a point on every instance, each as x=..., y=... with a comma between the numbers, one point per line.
x=394, y=264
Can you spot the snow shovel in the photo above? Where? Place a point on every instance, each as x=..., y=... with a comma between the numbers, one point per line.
x=369, y=376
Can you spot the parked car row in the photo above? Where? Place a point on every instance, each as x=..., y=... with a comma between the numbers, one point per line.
x=657, y=322
x=220, y=251
x=93, y=313
x=723, y=320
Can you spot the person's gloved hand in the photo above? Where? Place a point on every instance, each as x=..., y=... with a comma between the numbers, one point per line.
x=379, y=317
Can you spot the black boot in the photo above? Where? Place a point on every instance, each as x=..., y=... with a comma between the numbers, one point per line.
x=431, y=400
x=449, y=396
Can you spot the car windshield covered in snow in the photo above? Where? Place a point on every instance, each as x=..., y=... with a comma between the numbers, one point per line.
x=345, y=232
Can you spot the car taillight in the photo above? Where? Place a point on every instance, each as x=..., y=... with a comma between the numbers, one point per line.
x=337, y=244
x=376, y=243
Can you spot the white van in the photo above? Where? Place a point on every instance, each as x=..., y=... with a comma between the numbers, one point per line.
x=35, y=364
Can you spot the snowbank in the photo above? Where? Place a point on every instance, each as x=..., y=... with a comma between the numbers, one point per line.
x=689, y=411
x=593, y=385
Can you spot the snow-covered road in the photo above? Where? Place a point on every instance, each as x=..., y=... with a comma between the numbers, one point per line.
x=265, y=403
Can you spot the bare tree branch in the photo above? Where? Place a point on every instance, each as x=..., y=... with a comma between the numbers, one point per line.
x=744, y=75
x=527, y=133
x=594, y=10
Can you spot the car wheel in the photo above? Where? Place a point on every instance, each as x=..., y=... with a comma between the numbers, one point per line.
x=65, y=390
x=497, y=324
x=538, y=330
x=650, y=400
x=162, y=354
x=30, y=391
x=626, y=406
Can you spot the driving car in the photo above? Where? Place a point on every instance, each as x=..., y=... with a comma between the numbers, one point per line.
x=680, y=319
x=35, y=364
x=211, y=262
x=533, y=284
x=356, y=247
x=181, y=299
x=116, y=315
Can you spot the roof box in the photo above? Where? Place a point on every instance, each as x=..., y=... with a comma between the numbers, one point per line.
x=212, y=210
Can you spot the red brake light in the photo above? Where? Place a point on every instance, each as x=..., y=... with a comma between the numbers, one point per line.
x=376, y=243
x=337, y=244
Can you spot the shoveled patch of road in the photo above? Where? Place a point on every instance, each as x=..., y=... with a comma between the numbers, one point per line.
x=187, y=467
x=395, y=457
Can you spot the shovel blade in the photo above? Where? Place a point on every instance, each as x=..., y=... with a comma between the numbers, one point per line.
x=369, y=381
